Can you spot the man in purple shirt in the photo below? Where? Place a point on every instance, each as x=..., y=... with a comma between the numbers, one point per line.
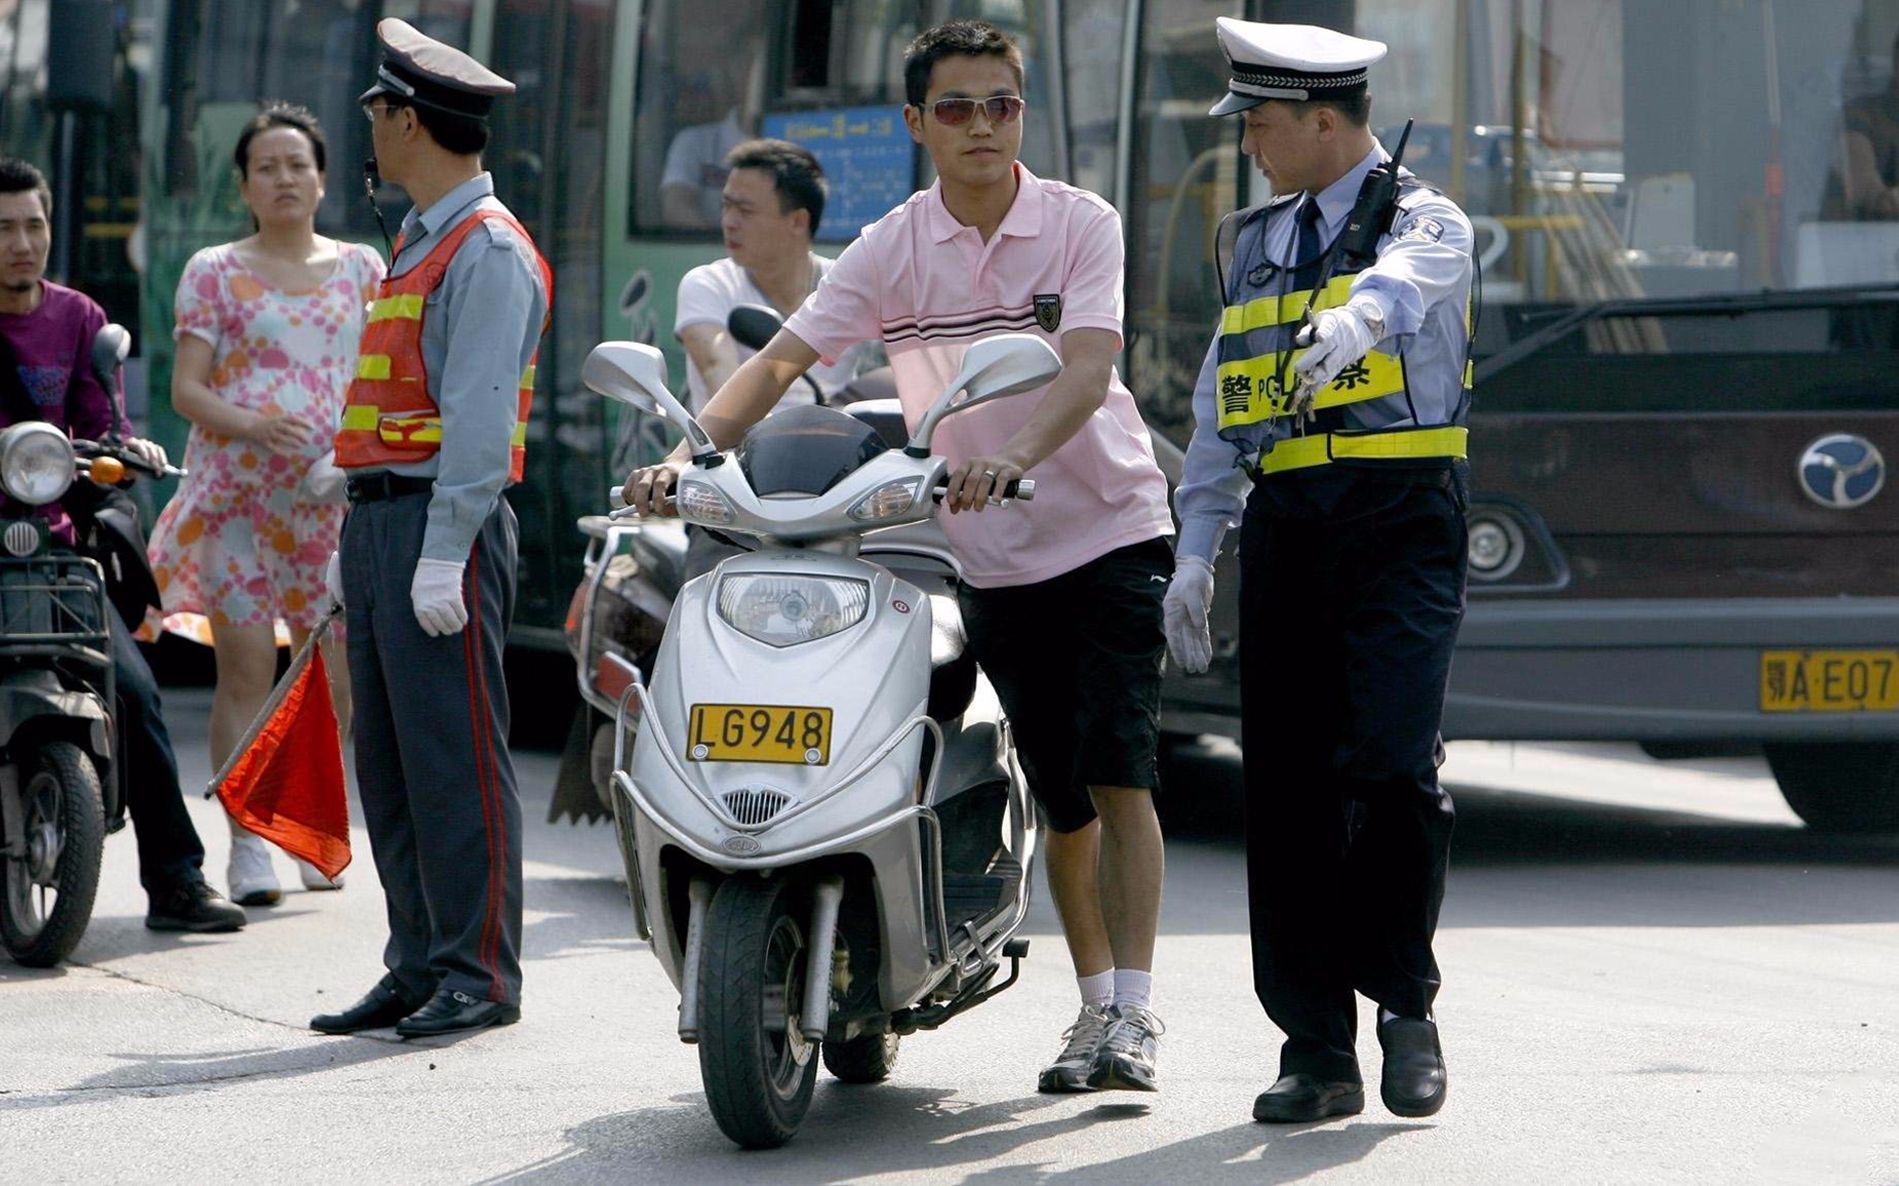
x=46, y=334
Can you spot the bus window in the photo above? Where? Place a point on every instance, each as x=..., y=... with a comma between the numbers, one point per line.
x=1184, y=176
x=1763, y=156
x=225, y=56
x=1093, y=33
x=704, y=89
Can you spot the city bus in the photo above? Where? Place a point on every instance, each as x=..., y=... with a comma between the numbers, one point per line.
x=1684, y=345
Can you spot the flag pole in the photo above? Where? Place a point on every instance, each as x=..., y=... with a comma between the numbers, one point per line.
x=297, y=663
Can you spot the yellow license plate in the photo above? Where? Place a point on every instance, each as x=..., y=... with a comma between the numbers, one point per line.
x=788, y=733
x=1829, y=681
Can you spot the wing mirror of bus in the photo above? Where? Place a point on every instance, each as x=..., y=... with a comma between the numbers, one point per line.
x=110, y=348
x=635, y=374
x=1006, y=364
x=752, y=326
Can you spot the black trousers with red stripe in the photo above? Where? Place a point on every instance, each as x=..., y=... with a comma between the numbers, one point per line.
x=431, y=725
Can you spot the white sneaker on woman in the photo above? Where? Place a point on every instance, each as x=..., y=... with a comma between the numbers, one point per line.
x=313, y=878
x=252, y=880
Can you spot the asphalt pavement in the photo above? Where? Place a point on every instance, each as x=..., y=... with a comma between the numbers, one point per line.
x=1652, y=973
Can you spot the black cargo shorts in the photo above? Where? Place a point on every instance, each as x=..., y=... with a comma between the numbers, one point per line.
x=1076, y=662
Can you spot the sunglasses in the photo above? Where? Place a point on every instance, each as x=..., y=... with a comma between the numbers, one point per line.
x=372, y=109
x=954, y=113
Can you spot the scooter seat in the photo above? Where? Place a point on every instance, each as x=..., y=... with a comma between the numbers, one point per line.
x=952, y=667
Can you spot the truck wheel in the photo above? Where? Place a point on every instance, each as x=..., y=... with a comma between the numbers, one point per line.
x=868, y=1058
x=758, y=1069
x=48, y=895
x=1851, y=788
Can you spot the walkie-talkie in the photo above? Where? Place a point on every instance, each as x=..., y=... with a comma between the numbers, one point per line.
x=1372, y=214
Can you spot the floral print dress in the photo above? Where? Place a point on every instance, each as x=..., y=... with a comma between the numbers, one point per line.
x=242, y=543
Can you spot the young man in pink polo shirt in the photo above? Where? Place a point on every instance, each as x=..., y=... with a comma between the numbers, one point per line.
x=1062, y=596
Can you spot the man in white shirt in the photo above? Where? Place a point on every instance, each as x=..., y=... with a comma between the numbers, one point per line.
x=772, y=203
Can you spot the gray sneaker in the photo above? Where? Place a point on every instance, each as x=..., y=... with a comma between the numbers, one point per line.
x=1069, y=1071
x=1125, y=1059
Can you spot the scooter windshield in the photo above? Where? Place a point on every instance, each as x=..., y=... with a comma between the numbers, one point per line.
x=805, y=451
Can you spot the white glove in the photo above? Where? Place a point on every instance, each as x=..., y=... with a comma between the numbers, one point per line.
x=323, y=482
x=1337, y=338
x=437, y=594
x=1184, y=614
x=333, y=578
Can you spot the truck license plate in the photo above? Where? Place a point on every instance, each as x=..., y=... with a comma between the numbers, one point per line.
x=796, y=735
x=1829, y=681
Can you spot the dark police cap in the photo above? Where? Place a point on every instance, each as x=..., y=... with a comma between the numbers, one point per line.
x=416, y=68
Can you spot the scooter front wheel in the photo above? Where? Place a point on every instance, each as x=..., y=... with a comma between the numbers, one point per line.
x=49, y=888
x=758, y=1068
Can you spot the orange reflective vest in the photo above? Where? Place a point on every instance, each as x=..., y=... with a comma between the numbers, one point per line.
x=389, y=414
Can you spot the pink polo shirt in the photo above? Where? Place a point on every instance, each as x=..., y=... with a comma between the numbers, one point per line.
x=929, y=287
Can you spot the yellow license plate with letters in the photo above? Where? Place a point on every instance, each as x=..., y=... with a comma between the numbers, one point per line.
x=1829, y=681
x=792, y=734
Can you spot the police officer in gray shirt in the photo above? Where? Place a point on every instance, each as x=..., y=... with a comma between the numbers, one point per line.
x=434, y=427
x=1330, y=410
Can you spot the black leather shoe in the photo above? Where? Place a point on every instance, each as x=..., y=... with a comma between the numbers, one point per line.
x=449, y=1011
x=1414, y=1082
x=193, y=906
x=1301, y=1099
x=380, y=1008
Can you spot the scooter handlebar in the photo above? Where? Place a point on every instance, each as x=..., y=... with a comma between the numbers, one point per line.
x=1019, y=488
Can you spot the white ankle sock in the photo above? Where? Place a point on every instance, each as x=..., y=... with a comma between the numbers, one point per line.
x=1133, y=987
x=1097, y=990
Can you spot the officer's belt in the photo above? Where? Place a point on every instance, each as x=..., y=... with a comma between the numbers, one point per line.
x=1446, y=443
x=374, y=487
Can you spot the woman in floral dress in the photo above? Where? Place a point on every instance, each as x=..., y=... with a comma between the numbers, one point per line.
x=267, y=329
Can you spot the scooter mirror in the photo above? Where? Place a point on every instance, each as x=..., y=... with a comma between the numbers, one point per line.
x=635, y=374
x=752, y=326
x=1006, y=364
x=110, y=347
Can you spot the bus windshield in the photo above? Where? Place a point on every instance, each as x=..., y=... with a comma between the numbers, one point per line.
x=1608, y=150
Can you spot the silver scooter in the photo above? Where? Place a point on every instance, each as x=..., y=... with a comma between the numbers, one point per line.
x=826, y=835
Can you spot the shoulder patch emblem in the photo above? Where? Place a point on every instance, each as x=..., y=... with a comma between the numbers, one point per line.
x=1048, y=311
x=1428, y=230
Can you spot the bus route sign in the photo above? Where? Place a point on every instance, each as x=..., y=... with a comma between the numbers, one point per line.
x=868, y=158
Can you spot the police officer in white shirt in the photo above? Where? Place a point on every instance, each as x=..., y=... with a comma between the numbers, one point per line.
x=1329, y=419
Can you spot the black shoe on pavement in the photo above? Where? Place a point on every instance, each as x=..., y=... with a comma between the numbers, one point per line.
x=193, y=906
x=380, y=1008
x=1414, y=1082
x=449, y=1012
x=1301, y=1099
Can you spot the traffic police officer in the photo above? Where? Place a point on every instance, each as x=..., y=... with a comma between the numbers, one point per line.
x=1336, y=389
x=434, y=426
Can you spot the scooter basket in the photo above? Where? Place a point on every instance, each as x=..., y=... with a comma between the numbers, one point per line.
x=50, y=599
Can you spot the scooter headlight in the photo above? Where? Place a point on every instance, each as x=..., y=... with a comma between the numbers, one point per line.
x=783, y=611
x=700, y=503
x=887, y=501
x=36, y=462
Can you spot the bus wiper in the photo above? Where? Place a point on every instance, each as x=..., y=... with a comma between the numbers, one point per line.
x=1733, y=304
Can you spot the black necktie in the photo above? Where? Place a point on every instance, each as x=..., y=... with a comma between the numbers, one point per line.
x=1310, y=246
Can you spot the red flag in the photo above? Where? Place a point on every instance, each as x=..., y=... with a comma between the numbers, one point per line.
x=286, y=784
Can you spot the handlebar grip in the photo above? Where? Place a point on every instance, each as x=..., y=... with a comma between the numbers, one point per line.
x=1022, y=488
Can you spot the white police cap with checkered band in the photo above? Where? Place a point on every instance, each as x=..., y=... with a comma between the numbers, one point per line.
x=1296, y=62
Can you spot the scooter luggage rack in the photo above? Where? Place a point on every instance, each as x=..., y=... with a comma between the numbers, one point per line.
x=61, y=615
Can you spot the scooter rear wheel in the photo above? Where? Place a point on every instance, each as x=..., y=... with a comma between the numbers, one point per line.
x=47, y=898
x=868, y=1058
x=758, y=1069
